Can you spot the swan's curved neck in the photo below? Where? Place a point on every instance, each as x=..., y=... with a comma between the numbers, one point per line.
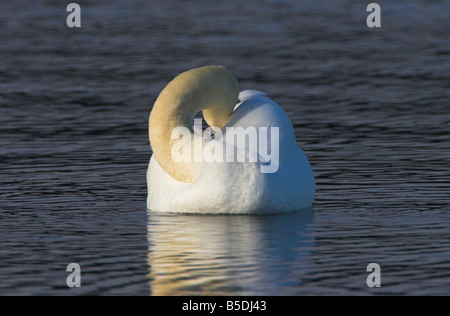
x=211, y=89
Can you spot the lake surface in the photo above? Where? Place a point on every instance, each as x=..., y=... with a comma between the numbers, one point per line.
x=370, y=109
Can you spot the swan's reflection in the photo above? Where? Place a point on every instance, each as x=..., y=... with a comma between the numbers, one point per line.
x=228, y=255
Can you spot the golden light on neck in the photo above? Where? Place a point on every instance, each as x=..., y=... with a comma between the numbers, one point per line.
x=211, y=89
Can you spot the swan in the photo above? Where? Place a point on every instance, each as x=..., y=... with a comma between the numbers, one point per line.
x=220, y=182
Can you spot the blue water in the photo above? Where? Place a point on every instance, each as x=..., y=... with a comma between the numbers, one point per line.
x=370, y=108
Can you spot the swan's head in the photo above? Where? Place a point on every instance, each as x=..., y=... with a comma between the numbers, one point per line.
x=222, y=97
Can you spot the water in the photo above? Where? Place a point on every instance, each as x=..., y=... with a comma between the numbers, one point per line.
x=370, y=109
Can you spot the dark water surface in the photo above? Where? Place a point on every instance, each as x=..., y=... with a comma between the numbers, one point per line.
x=370, y=109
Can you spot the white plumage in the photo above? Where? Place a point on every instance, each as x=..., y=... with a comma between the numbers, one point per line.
x=240, y=187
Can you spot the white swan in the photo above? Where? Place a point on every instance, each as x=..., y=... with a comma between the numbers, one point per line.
x=207, y=186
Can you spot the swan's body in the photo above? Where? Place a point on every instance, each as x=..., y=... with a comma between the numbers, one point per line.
x=225, y=187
